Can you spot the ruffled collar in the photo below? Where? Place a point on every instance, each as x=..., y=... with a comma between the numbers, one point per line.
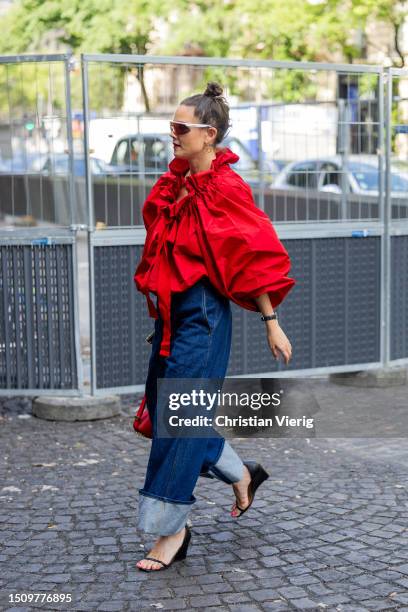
x=223, y=155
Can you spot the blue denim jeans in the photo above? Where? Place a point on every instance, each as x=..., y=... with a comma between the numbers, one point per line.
x=201, y=323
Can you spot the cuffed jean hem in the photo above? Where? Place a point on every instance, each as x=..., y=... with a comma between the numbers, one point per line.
x=161, y=517
x=229, y=468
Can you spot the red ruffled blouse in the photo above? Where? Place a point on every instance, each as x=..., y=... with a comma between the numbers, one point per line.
x=215, y=231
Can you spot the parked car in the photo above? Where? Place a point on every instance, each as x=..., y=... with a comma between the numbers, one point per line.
x=58, y=163
x=325, y=174
x=21, y=162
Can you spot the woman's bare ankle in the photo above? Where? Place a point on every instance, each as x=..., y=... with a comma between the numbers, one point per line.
x=174, y=536
x=246, y=478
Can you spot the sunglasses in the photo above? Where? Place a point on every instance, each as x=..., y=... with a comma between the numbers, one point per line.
x=181, y=127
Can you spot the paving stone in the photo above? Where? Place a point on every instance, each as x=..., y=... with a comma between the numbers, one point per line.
x=192, y=589
x=217, y=587
x=352, y=608
x=276, y=606
x=305, y=579
x=246, y=608
x=203, y=601
x=384, y=588
x=104, y=541
x=401, y=597
x=375, y=605
x=262, y=595
x=208, y=578
x=292, y=592
x=304, y=603
x=361, y=594
x=233, y=598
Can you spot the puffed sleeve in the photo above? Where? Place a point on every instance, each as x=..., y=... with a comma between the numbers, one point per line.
x=160, y=195
x=241, y=249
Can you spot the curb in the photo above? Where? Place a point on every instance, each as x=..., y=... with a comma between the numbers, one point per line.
x=86, y=408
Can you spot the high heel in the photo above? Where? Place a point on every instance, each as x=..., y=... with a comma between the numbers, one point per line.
x=179, y=555
x=258, y=475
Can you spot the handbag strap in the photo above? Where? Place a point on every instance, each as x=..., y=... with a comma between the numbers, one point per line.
x=141, y=408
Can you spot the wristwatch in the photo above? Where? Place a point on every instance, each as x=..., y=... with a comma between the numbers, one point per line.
x=269, y=317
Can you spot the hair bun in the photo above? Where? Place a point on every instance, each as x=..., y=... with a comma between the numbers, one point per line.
x=213, y=90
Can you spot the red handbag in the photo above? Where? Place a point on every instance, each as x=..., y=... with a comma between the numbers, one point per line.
x=142, y=423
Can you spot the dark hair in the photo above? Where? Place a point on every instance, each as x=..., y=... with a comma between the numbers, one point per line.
x=211, y=107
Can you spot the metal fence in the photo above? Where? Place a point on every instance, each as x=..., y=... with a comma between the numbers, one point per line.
x=323, y=148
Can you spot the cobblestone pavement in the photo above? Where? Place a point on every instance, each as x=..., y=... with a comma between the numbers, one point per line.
x=327, y=531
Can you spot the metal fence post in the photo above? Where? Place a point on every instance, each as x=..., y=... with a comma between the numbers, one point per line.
x=70, y=141
x=261, y=202
x=91, y=222
x=68, y=66
x=385, y=216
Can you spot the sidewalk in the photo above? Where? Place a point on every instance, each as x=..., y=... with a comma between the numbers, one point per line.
x=328, y=530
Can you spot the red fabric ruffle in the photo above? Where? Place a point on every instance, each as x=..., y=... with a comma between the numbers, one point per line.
x=216, y=231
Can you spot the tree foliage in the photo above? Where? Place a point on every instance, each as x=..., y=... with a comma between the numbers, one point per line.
x=300, y=30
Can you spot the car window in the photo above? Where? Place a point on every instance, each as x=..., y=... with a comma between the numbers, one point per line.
x=155, y=152
x=331, y=174
x=303, y=175
x=135, y=152
x=122, y=156
x=139, y=151
x=368, y=177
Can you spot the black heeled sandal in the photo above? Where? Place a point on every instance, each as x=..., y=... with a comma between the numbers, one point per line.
x=179, y=556
x=258, y=475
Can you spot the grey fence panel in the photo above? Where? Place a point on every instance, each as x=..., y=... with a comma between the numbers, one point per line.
x=37, y=332
x=399, y=297
x=121, y=318
x=337, y=318
x=238, y=356
x=396, y=326
x=122, y=321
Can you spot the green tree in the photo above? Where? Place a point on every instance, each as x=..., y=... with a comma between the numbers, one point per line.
x=91, y=26
x=300, y=30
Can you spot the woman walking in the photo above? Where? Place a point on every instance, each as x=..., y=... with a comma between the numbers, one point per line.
x=207, y=243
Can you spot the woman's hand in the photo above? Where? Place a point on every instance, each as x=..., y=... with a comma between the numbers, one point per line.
x=278, y=341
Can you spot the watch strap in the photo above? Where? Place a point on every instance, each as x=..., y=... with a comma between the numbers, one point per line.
x=269, y=317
